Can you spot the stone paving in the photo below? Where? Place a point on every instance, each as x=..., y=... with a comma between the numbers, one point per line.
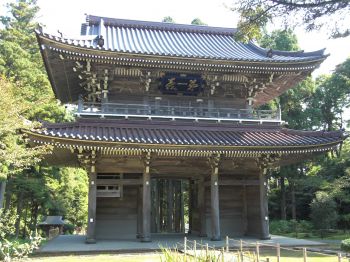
x=76, y=243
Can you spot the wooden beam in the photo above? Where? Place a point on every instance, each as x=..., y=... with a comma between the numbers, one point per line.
x=146, y=200
x=214, y=199
x=236, y=182
x=120, y=182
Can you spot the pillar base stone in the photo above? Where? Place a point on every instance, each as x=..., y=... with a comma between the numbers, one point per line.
x=215, y=239
x=146, y=239
x=90, y=241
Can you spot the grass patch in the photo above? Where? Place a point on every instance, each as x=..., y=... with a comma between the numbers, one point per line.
x=297, y=256
x=100, y=258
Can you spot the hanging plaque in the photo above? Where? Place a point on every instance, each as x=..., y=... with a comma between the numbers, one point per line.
x=186, y=84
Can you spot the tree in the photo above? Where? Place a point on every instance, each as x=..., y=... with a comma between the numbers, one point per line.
x=168, y=19
x=313, y=14
x=197, y=21
x=331, y=97
x=323, y=211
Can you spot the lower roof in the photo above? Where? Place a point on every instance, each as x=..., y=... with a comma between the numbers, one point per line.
x=188, y=135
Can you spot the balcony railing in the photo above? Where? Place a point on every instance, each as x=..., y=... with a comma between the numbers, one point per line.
x=154, y=111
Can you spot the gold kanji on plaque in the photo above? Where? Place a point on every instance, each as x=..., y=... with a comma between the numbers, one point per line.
x=171, y=85
x=192, y=85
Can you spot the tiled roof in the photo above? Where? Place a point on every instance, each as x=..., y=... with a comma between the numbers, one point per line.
x=176, y=40
x=125, y=131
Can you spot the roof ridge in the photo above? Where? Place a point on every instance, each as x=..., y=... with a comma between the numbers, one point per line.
x=94, y=20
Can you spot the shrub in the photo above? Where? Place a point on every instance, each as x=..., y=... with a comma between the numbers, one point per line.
x=280, y=227
x=345, y=245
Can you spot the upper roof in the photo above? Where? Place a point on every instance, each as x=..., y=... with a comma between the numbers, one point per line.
x=176, y=40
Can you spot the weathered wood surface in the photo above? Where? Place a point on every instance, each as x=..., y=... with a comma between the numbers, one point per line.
x=91, y=228
x=215, y=209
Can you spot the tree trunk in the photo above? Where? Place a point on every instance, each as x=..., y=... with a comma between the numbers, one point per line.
x=19, y=213
x=34, y=220
x=283, y=199
x=294, y=209
x=2, y=193
x=8, y=194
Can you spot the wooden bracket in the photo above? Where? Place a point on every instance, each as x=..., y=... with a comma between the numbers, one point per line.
x=267, y=161
x=87, y=160
x=146, y=159
x=214, y=162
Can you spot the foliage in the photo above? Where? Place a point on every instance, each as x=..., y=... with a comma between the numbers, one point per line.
x=290, y=226
x=168, y=19
x=284, y=40
x=7, y=223
x=345, y=245
x=10, y=250
x=323, y=211
x=197, y=21
x=313, y=14
x=250, y=24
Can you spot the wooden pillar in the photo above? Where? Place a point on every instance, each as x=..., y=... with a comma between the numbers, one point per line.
x=190, y=205
x=139, y=212
x=146, y=200
x=91, y=227
x=264, y=211
x=170, y=206
x=214, y=201
x=182, y=207
x=202, y=207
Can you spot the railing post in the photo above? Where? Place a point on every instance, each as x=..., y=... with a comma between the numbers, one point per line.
x=305, y=254
x=339, y=257
x=257, y=252
x=194, y=248
x=222, y=255
x=80, y=104
x=227, y=243
x=206, y=250
x=278, y=252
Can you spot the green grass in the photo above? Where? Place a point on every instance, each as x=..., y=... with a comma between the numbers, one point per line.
x=295, y=256
x=101, y=258
x=286, y=256
x=338, y=235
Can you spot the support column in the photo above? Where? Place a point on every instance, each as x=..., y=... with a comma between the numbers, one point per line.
x=244, y=210
x=201, y=207
x=190, y=205
x=139, y=212
x=214, y=193
x=170, y=206
x=264, y=210
x=146, y=200
x=182, y=208
x=91, y=227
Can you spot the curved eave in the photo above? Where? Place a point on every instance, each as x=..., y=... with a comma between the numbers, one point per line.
x=100, y=145
x=105, y=54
